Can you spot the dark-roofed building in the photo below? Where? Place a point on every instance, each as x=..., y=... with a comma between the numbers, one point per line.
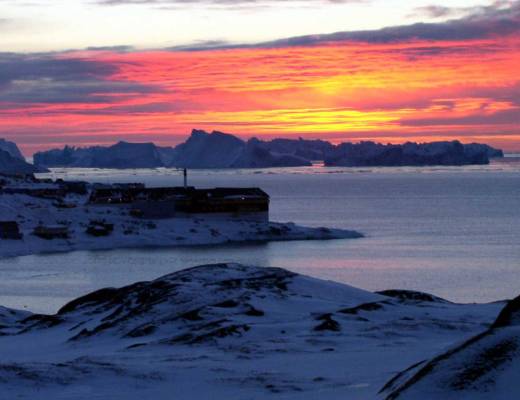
x=168, y=202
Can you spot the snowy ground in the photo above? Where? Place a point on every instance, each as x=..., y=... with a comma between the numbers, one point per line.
x=229, y=331
x=135, y=232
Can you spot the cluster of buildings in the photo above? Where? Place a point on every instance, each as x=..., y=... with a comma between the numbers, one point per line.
x=136, y=200
x=169, y=202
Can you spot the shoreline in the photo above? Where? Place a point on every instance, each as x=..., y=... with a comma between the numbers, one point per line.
x=130, y=232
x=348, y=235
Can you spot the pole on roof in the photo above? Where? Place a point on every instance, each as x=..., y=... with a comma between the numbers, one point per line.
x=185, y=173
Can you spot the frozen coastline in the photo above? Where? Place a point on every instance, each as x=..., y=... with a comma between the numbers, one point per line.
x=128, y=232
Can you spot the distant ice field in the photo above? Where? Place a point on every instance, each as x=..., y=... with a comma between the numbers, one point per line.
x=450, y=231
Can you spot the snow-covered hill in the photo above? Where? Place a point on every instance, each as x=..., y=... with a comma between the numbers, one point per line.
x=228, y=331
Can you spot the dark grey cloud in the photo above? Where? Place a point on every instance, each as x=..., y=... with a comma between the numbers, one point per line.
x=500, y=19
x=118, y=49
x=490, y=22
x=145, y=108
x=17, y=66
x=48, y=78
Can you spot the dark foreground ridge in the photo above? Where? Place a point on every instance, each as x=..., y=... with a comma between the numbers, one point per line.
x=224, y=328
x=485, y=365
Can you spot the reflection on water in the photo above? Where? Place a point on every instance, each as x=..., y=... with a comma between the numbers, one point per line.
x=451, y=233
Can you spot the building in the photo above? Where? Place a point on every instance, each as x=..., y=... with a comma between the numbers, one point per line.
x=169, y=202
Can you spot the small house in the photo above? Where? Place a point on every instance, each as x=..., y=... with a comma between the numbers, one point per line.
x=169, y=202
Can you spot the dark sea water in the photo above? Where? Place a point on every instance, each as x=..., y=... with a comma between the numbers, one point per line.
x=454, y=232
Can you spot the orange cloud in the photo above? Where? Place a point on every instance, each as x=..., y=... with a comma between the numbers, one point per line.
x=417, y=90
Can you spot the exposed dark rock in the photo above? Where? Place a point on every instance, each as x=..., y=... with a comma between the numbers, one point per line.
x=39, y=321
x=222, y=332
x=253, y=312
x=140, y=331
x=99, y=296
x=510, y=314
x=328, y=324
x=192, y=315
x=226, y=304
x=362, y=307
x=412, y=295
x=489, y=360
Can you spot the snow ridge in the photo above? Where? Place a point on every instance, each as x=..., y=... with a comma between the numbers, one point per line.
x=227, y=331
x=482, y=367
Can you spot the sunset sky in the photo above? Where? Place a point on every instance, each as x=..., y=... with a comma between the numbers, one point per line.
x=97, y=71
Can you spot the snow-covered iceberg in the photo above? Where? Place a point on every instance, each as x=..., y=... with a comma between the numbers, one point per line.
x=11, y=148
x=119, y=155
x=312, y=150
x=12, y=165
x=407, y=154
x=12, y=160
x=201, y=150
x=222, y=150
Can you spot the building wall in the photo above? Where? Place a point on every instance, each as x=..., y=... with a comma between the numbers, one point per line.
x=166, y=209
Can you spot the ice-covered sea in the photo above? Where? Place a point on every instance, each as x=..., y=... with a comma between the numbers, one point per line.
x=451, y=231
